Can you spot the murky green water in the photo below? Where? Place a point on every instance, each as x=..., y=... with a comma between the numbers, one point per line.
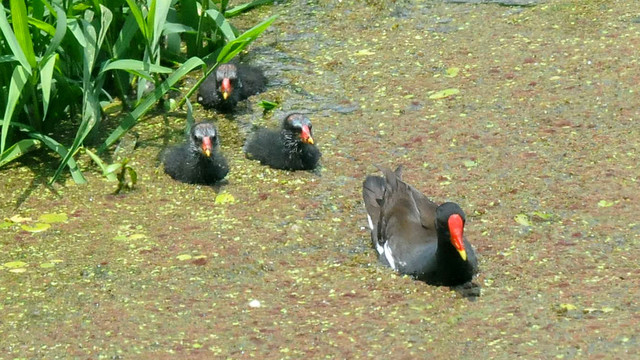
x=538, y=147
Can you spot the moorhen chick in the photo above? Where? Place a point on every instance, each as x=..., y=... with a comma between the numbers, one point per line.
x=290, y=148
x=229, y=84
x=198, y=160
x=413, y=235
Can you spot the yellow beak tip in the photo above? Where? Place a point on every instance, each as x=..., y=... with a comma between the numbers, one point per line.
x=225, y=95
x=310, y=141
x=463, y=254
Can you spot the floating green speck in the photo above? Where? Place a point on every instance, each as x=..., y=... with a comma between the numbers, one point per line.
x=18, y=219
x=5, y=224
x=53, y=218
x=15, y=264
x=183, y=257
x=267, y=105
x=605, y=203
x=522, y=219
x=37, y=227
x=470, y=163
x=364, y=52
x=444, y=94
x=566, y=307
x=543, y=215
x=225, y=198
x=47, y=265
x=452, y=72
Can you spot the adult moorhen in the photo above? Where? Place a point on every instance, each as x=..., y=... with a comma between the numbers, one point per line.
x=229, y=84
x=198, y=160
x=413, y=235
x=290, y=148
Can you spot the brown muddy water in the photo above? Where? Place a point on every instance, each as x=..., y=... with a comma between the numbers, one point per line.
x=538, y=145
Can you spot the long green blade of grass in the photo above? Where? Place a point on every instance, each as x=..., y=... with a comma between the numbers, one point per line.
x=61, y=30
x=234, y=47
x=96, y=159
x=190, y=119
x=237, y=10
x=222, y=24
x=223, y=5
x=152, y=6
x=46, y=79
x=161, y=9
x=106, y=16
x=133, y=117
x=18, y=149
x=124, y=37
x=63, y=152
x=11, y=40
x=20, y=23
x=137, y=14
x=135, y=65
x=175, y=28
x=18, y=80
x=41, y=25
x=74, y=26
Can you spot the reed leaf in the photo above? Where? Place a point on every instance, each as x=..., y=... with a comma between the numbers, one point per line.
x=18, y=149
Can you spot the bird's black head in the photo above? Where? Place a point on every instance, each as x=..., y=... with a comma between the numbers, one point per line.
x=203, y=138
x=301, y=125
x=450, y=218
x=227, y=79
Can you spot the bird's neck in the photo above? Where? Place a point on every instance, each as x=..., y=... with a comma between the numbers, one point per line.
x=445, y=247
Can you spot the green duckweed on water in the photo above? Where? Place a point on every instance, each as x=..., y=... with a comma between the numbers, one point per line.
x=536, y=143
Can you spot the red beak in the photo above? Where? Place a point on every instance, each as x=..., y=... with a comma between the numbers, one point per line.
x=225, y=88
x=456, y=226
x=207, y=147
x=306, y=135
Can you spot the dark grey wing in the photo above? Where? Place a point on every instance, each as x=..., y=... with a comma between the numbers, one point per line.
x=372, y=194
x=401, y=230
x=426, y=207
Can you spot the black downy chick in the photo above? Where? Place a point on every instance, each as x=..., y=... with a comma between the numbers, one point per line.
x=290, y=148
x=198, y=160
x=229, y=84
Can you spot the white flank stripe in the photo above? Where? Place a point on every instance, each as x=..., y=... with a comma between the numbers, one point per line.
x=379, y=248
x=370, y=222
x=389, y=256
